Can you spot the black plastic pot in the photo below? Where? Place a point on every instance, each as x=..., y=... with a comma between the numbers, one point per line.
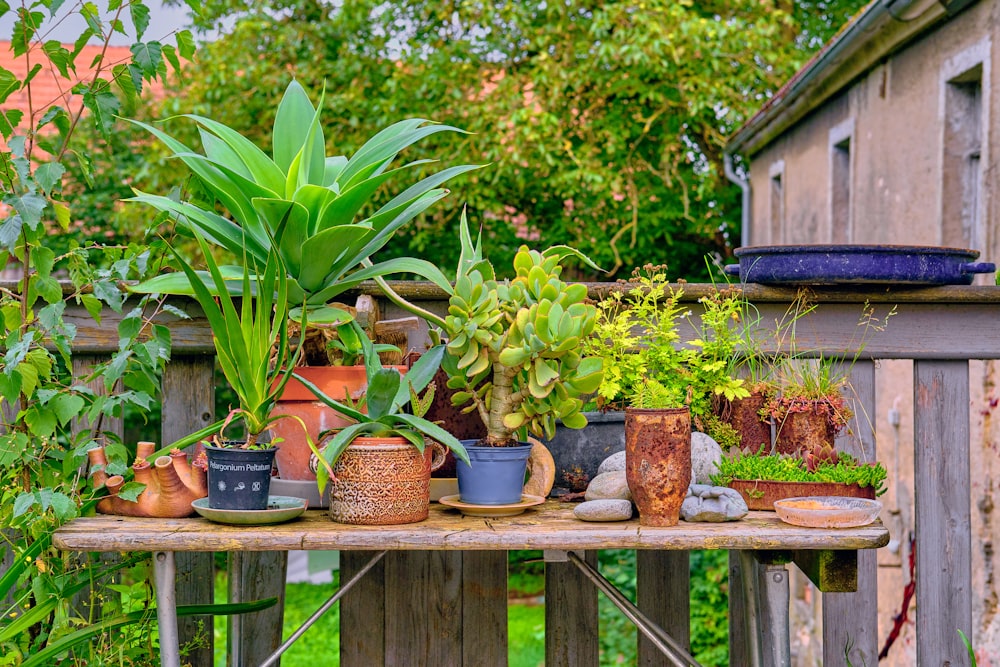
x=239, y=479
x=578, y=453
x=857, y=264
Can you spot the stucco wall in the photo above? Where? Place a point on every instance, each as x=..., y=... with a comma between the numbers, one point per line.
x=896, y=120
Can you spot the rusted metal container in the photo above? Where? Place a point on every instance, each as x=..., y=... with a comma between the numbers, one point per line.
x=800, y=432
x=658, y=462
x=761, y=494
x=743, y=414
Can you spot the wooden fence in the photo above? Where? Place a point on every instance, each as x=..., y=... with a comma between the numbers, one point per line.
x=447, y=607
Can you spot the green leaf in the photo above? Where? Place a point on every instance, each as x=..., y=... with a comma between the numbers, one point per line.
x=48, y=175
x=8, y=84
x=185, y=44
x=66, y=407
x=131, y=491
x=24, y=30
x=9, y=120
x=30, y=208
x=381, y=392
x=59, y=56
x=103, y=105
x=93, y=306
x=147, y=56
x=92, y=16
x=40, y=421
x=62, y=214
x=140, y=17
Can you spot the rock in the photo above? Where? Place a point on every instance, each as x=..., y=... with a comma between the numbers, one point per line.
x=705, y=456
x=609, y=486
x=604, y=510
x=613, y=463
x=713, y=504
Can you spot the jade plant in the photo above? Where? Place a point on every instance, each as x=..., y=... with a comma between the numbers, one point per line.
x=514, y=346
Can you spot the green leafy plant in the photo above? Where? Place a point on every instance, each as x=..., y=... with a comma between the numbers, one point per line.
x=251, y=342
x=754, y=466
x=387, y=395
x=318, y=199
x=513, y=350
x=646, y=365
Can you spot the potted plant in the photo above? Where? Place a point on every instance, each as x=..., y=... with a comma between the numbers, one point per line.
x=379, y=466
x=810, y=409
x=513, y=357
x=251, y=344
x=332, y=230
x=662, y=383
x=762, y=478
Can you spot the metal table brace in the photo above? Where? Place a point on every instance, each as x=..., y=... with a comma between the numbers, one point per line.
x=775, y=590
x=164, y=573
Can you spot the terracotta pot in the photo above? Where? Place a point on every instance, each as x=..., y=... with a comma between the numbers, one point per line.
x=799, y=432
x=761, y=494
x=743, y=414
x=382, y=481
x=658, y=462
x=296, y=400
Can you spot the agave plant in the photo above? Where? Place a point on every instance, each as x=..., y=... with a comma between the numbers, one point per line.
x=325, y=248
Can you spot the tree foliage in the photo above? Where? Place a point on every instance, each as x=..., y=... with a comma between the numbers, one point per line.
x=603, y=122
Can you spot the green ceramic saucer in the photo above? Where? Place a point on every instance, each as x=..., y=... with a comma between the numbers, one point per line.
x=279, y=509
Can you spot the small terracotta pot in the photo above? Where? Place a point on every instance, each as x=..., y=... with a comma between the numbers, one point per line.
x=800, y=432
x=382, y=481
x=337, y=382
x=658, y=462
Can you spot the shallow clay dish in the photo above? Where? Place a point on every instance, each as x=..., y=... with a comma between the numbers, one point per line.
x=513, y=509
x=279, y=509
x=827, y=511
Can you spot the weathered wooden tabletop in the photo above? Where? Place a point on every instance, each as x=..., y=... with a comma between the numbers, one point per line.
x=548, y=526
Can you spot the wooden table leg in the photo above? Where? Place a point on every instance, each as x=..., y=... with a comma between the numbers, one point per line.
x=164, y=574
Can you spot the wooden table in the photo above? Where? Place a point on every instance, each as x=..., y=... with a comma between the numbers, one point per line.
x=828, y=556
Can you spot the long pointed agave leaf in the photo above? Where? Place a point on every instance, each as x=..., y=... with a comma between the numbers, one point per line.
x=369, y=152
x=343, y=209
x=435, y=432
x=292, y=124
x=314, y=198
x=386, y=223
x=332, y=256
x=314, y=153
x=264, y=171
x=219, y=152
x=426, y=184
x=334, y=166
x=418, y=376
x=230, y=197
x=419, y=267
x=178, y=282
x=389, y=149
x=295, y=217
x=221, y=231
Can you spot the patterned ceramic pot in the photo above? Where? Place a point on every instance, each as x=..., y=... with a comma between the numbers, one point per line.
x=382, y=481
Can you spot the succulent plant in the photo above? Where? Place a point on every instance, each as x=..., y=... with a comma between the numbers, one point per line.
x=514, y=345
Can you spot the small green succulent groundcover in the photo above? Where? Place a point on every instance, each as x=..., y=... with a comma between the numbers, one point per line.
x=786, y=468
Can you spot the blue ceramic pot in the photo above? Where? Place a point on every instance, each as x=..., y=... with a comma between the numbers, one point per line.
x=496, y=476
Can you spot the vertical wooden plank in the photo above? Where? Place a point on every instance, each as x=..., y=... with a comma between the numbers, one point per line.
x=422, y=590
x=255, y=575
x=83, y=365
x=571, y=630
x=850, y=620
x=941, y=480
x=739, y=644
x=484, y=609
x=362, y=612
x=663, y=594
x=188, y=405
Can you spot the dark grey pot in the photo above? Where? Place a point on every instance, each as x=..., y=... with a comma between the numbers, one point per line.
x=239, y=479
x=578, y=453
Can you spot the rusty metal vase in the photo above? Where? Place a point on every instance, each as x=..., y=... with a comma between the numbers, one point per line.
x=743, y=414
x=382, y=481
x=800, y=432
x=658, y=462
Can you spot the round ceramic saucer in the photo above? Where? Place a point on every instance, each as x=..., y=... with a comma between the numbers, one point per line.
x=513, y=509
x=278, y=510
